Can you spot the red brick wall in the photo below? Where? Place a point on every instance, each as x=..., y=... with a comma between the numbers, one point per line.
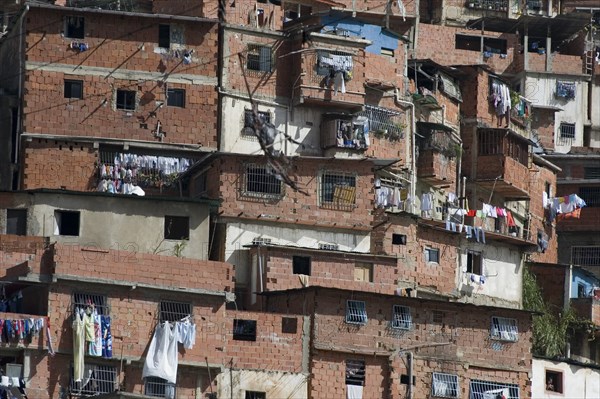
x=551, y=280
x=539, y=176
x=543, y=123
x=432, y=164
x=244, y=13
x=192, y=8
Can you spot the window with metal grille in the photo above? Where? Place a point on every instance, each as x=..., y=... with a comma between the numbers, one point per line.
x=255, y=395
x=474, y=262
x=591, y=172
x=97, y=302
x=126, y=100
x=384, y=120
x=355, y=372
x=244, y=330
x=261, y=182
x=504, y=329
x=591, y=196
x=73, y=89
x=490, y=142
x=479, y=389
x=328, y=247
x=437, y=316
x=97, y=379
x=248, y=130
x=401, y=317
x=333, y=61
x=337, y=190
x=356, y=312
x=432, y=255
x=74, y=27
x=258, y=58
x=164, y=35
x=176, y=98
x=301, y=265
x=444, y=385
x=173, y=311
x=585, y=255
x=177, y=228
x=16, y=221
x=566, y=133
x=159, y=388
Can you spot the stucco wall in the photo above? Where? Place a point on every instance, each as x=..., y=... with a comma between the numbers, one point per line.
x=578, y=382
x=235, y=383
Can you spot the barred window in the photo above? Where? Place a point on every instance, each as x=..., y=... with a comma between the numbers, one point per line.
x=355, y=372
x=356, y=312
x=96, y=380
x=258, y=58
x=401, y=317
x=591, y=196
x=490, y=142
x=337, y=190
x=262, y=182
x=504, y=329
x=585, y=255
x=479, y=389
x=591, y=172
x=444, y=385
x=174, y=311
x=159, y=388
x=97, y=302
x=566, y=133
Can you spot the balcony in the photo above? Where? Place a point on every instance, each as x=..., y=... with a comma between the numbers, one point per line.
x=503, y=175
x=587, y=308
x=438, y=152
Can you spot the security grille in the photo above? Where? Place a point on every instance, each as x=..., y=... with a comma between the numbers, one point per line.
x=591, y=173
x=567, y=133
x=261, y=182
x=484, y=389
x=248, y=129
x=159, y=388
x=261, y=241
x=328, y=247
x=174, y=311
x=83, y=301
x=401, y=317
x=591, y=196
x=504, y=329
x=585, y=256
x=355, y=372
x=258, y=58
x=356, y=312
x=337, y=190
x=444, y=385
x=384, y=120
x=96, y=380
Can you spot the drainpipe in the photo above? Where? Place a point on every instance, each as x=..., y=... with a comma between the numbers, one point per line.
x=409, y=360
x=16, y=144
x=413, y=165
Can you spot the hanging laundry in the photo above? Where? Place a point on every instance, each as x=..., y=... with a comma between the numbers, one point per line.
x=106, y=337
x=161, y=360
x=565, y=90
x=78, y=346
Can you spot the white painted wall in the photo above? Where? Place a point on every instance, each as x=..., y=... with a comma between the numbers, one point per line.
x=578, y=382
x=540, y=88
x=503, y=275
x=275, y=384
x=239, y=234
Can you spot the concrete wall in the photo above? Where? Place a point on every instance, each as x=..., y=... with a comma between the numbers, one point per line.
x=235, y=383
x=578, y=381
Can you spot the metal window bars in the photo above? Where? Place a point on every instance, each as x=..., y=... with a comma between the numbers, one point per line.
x=356, y=312
x=479, y=389
x=401, y=317
x=585, y=255
x=262, y=182
x=355, y=372
x=174, y=311
x=444, y=385
x=385, y=121
x=591, y=196
x=337, y=190
x=159, y=388
x=566, y=133
x=83, y=301
x=248, y=130
x=258, y=59
x=504, y=329
x=97, y=380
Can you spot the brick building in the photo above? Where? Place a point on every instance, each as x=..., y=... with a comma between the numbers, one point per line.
x=373, y=247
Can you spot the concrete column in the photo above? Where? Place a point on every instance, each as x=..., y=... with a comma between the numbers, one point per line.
x=548, y=51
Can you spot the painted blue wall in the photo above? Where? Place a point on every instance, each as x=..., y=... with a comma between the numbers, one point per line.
x=378, y=36
x=584, y=279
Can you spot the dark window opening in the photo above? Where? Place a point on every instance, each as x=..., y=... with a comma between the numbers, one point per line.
x=67, y=223
x=73, y=89
x=554, y=381
x=74, y=27
x=177, y=228
x=301, y=265
x=248, y=130
x=581, y=291
x=398, y=239
x=289, y=325
x=591, y=196
x=591, y=173
x=164, y=36
x=471, y=43
x=126, y=100
x=494, y=46
x=16, y=221
x=244, y=330
x=474, y=263
x=355, y=372
x=176, y=98
x=255, y=395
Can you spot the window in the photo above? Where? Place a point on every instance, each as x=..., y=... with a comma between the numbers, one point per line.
x=355, y=372
x=97, y=302
x=401, y=317
x=585, y=256
x=554, y=381
x=464, y=42
x=301, y=265
x=478, y=390
x=289, y=325
x=490, y=142
x=398, y=239
x=356, y=312
x=102, y=379
x=581, y=291
x=474, y=263
x=566, y=133
x=504, y=329
x=432, y=255
x=591, y=173
x=16, y=221
x=66, y=223
x=363, y=271
x=262, y=182
x=177, y=228
x=164, y=36
x=74, y=27
x=444, y=385
x=438, y=316
x=244, y=330
x=126, y=100
x=387, y=52
x=158, y=388
x=494, y=46
x=255, y=395
x=591, y=196
x=73, y=89
x=337, y=190
x=176, y=98
x=259, y=58
x=173, y=311
x=248, y=130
